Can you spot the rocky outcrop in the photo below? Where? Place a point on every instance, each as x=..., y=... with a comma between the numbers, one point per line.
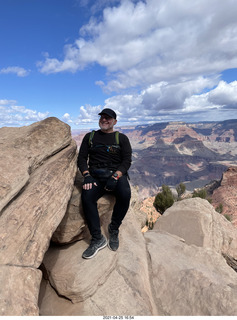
x=73, y=226
x=19, y=290
x=190, y=280
x=24, y=149
x=158, y=273
x=178, y=268
x=110, y=283
x=152, y=214
x=225, y=194
x=199, y=224
x=37, y=170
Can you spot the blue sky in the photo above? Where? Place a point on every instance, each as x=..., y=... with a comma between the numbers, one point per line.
x=150, y=61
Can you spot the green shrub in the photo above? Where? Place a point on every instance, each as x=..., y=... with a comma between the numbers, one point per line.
x=228, y=217
x=200, y=193
x=164, y=199
x=219, y=208
x=181, y=188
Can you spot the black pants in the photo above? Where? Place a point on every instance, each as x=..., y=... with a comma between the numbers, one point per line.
x=89, y=202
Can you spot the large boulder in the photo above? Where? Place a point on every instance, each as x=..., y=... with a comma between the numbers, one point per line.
x=19, y=291
x=38, y=166
x=188, y=280
x=73, y=226
x=24, y=149
x=196, y=221
x=117, y=281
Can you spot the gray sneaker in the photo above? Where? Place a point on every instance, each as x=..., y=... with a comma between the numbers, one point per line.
x=94, y=247
x=113, y=243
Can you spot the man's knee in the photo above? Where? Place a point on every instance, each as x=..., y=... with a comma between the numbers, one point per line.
x=87, y=196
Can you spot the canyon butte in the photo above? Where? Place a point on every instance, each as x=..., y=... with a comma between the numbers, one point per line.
x=185, y=266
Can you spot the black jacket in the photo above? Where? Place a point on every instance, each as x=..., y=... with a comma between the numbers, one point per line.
x=104, y=152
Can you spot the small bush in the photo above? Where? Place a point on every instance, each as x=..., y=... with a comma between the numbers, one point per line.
x=164, y=199
x=181, y=188
x=228, y=217
x=200, y=193
x=219, y=208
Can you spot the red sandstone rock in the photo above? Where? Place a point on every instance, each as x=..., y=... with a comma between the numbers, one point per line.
x=226, y=194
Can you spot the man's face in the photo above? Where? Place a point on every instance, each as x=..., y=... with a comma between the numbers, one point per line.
x=106, y=123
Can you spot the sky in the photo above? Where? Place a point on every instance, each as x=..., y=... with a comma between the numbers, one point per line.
x=150, y=61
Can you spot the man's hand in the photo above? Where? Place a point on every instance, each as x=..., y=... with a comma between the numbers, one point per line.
x=89, y=182
x=111, y=184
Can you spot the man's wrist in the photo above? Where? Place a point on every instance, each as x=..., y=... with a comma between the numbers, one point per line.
x=116, y=176
x=86, y=174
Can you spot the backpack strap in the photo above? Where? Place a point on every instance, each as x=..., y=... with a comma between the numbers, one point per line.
x=91, y=137
x=117, y=137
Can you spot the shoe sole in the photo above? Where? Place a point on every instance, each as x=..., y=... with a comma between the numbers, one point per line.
x=104, y=245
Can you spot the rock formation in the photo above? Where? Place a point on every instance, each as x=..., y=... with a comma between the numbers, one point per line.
x=196, y=221
x=159, y=273
x=37, y=169
x=189, y=280
x=226, y=193
x=178, y=268
x=152, y=214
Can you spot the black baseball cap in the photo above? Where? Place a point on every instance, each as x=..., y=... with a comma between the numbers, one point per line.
x=108, y=112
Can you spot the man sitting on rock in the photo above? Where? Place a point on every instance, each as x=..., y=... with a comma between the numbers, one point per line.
x=109, y=153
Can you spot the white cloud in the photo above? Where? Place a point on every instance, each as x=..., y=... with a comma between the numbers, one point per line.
x=167, y=102
x=147, y=42
x=154, y=104
x=159, y=99
x=161, y=56
x=13, y=115
x=88, y=115
x=67, y=118
x=224, y=94
x=20, y=72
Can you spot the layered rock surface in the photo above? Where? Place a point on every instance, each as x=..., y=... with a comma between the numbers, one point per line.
x=189, y=280
x=37, y=170
x=158, y=273
x=198, y=223
x=105, y=284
